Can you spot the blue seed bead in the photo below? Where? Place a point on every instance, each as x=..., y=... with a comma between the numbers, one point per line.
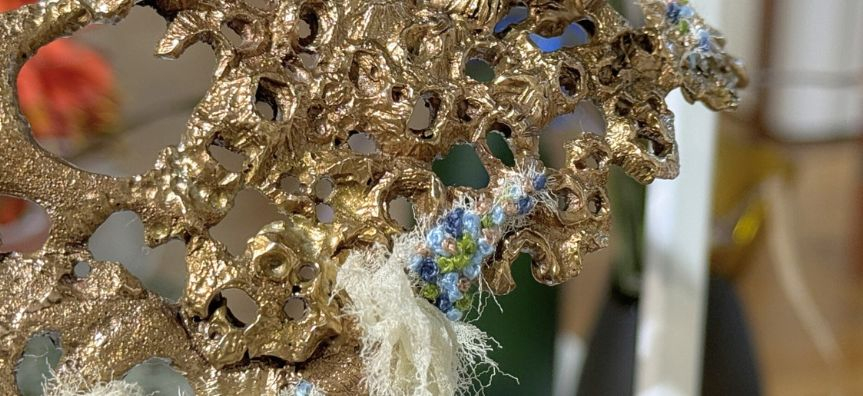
x=472, y=270
x=539, y=182
x=443, y=303
x=428, y=270
x=454, y=314
x=515, y=191
x=704, y=40
x=485, y=248
x=435, y=237
x=525, y=204
x=673, y=12
x=497, y=215
x=304, y=388
x=686, y=12
x=449, y=286
x=416, y=263
x=453, y=222
x=471, y=224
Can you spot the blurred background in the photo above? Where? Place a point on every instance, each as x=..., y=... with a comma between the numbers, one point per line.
x=781, y=297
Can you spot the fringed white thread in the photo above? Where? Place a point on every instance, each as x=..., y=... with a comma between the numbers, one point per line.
x=72, y=385
x=409, y=346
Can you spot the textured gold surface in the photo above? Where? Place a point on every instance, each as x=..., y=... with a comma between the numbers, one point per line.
x=329, y=68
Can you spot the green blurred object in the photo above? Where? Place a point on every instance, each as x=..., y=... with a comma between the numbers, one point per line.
x=526, y=331
x=627, y=204
x=461, y=167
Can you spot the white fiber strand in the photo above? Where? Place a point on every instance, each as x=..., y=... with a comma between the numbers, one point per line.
x=409, y=346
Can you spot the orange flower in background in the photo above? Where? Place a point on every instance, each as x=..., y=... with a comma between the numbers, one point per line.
x=67, y=93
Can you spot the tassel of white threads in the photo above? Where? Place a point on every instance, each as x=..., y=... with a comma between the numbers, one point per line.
x=409, y=346
x=77, y=386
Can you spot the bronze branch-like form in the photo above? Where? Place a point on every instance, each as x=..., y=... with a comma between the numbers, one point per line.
x=330, y=69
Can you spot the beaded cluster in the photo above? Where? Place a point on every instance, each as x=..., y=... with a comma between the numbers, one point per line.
x=682, y=16
x=449, y=260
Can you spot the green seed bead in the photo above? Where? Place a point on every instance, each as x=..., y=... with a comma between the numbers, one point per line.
x=461, y=261
x=486, y=221
x=465, y=303
x=467, y=246
x=446, y=264
x=430, y=291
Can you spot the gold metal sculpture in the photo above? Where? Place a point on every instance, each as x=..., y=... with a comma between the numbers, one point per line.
x=330, y=69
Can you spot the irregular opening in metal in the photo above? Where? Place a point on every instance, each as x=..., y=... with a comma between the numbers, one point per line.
x=101, y=101
x=231, y=160
x=266, y=105
x=325, y=213
x=24, y=225
x=467, y=110
x=296, y=308
x=596, y=204
x=162, y=269
x=518, y=13
x=574, y=35
x=461, y=167
x=479, y=70
x=37, y=363
x=81, y=270
x=585, y=118
x=156, y=376
x=567, y=200
x=591, y=161
x=401, y=210
x=623, y=107
x=242, y=309
x=362, y=143
x=235, y=31
x=499, y=147
x=290, y=184
x=251, y=212
x=308, y=26
x=424, y=114
x=323, y=188
x=652, y=142
x=397, y=93
x=570, y=81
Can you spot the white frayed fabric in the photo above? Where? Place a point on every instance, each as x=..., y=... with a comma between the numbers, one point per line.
x=408, y=346
x=78, y=386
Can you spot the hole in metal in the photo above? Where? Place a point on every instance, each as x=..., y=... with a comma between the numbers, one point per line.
x=401, y=210
x=323, y=188
x=161, y=270
x=586, y=118
x=251, y=212
x=461, y=167
x=81, y=270
x=362, y=143
x=240, y=306
x=36, y=366
x=424, y=114
x=499, y=147
x=24, y=225
x=325, y=213
x=296, y=308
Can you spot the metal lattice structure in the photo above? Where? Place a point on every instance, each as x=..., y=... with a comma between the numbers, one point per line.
x=329, y=69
